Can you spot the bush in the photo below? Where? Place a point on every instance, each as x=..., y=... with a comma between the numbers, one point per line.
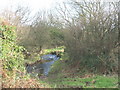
x=93, y=37
x=12, y=56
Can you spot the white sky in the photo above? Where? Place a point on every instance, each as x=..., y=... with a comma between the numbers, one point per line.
x=33, y=4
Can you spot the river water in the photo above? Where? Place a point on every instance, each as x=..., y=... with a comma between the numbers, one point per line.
x=43, y=68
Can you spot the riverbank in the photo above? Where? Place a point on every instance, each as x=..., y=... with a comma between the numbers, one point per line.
x=88, y=81
x=66, y=75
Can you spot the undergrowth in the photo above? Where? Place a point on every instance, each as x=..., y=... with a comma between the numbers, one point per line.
x=12, y=62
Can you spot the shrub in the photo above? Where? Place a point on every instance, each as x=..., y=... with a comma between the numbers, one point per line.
x=12, y=56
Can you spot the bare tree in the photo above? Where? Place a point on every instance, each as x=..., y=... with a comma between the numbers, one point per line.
x=93, y=31
x=20, y=18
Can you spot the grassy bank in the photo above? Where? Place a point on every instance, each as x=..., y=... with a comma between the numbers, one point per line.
x=95, y=81
x=66, y=75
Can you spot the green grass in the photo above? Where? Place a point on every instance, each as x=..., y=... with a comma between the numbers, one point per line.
x=46, y=51
x=59, y=79
x=91, y=82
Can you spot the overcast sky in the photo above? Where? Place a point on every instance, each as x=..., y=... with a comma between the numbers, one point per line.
x=35, y=5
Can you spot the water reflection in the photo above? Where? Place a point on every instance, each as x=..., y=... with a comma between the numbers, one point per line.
x=43, y=68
